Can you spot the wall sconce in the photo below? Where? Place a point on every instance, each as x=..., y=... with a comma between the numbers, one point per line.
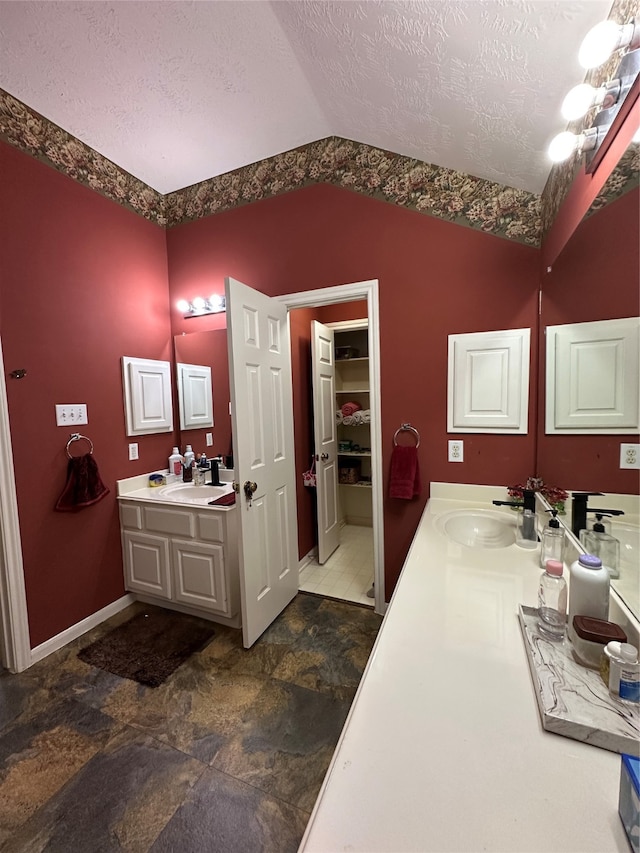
x=598, y=45
x=199, y=306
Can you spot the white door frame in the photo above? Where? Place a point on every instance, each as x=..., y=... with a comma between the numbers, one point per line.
x=365, y=290
x=16, y=644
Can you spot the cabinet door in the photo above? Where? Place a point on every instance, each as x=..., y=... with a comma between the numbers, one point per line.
x=147, y=395
x=146, y=563
x=199, y=575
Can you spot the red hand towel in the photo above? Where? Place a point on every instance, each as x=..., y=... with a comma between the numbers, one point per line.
x=83, y=487
x=405, y=473
x=350, y=408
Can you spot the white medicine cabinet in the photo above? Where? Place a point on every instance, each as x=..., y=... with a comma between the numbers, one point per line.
x=195, y=396
x=147, y=395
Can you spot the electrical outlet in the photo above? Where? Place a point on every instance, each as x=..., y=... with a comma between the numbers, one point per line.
x=133, y=452
x=71, y=414
x=209, y=439
x=456, y=451
x=630, y=456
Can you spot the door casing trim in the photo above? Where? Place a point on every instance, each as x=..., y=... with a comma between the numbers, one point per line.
x=368, y=291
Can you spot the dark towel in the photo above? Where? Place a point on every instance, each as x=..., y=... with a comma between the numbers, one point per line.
x=405, y=473
x=225, y=500
x=83, y=487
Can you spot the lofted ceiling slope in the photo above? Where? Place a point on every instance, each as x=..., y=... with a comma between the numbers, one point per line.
x=177, y=92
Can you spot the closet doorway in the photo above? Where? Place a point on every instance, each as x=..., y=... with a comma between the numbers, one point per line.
x=347, y=561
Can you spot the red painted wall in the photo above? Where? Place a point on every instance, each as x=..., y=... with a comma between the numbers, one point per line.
x=596, y=277
x=436, y=278
x=82, y=282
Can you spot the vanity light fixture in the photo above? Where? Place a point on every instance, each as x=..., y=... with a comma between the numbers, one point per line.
x=584, y=97
x=564, y=144
x=605, y=38
x=199, y=306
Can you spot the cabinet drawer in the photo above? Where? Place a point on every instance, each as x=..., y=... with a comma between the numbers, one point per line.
x=131, y=516
x=173, y=522
x=198, y=575
x=210, y=526
x=146, y=563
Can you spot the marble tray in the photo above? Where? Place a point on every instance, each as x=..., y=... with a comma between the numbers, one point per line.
x=573, y=701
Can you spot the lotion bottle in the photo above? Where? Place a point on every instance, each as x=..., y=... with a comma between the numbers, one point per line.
x=175, y=462
x=588, y=590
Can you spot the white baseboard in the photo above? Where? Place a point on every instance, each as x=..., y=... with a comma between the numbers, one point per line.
x=80, y=628
x=304, y=562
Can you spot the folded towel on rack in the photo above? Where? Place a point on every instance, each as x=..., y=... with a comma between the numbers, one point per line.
x=84, y=487
x=348, y=420
x=350, y=407
x=339, y=416
x=366, y=416
x=405, y=473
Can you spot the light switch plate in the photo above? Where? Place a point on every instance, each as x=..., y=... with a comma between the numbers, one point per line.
x=71, y=414
x=133, y=452
x=630, y=456
x=456, y=451
x=208, y=437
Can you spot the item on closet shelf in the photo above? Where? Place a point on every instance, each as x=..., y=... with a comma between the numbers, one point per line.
x=349, y=408
x=346, y=352
x=339, y=416
x=344, y=445
x=552, y=546
x=600, y=543
x=588, y=589
x=404, y=479
x=309, y=477
x=552, y=601
x=589, y=638
x=349, y=474
x=366, y=416
x=156, y=480
x=175, y=462
x=189, y=456
x=629, y=799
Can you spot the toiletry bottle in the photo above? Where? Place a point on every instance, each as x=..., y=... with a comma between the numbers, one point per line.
x=629, y=688
x=588, y=589
x=552, y=547
x=189, y=456
x=552, y=601
x=618, y=654
x=602, y=544
x=526, y=536
x=175, y=462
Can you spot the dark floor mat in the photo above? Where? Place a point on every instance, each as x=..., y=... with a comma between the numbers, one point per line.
x=149, y=647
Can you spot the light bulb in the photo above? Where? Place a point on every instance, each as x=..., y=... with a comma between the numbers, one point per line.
x=578, y=101
x=562, y=146
x=198, y=303
x=215, y=301
x=183, y=305
x=599, y=43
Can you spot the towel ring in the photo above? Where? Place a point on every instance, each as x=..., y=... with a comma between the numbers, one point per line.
x=406, y=428
x=75, y=436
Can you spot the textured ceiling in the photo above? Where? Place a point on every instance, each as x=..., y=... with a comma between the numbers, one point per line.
x=178, y=92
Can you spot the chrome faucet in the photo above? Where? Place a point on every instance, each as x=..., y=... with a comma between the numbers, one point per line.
x=579, y=510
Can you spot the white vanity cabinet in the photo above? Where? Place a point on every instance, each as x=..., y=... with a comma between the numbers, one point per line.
x=182, y=557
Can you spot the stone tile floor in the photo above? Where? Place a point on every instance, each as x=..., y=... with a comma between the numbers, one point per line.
x=227, y=755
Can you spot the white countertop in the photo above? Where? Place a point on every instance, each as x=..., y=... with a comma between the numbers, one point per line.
x=443, y=749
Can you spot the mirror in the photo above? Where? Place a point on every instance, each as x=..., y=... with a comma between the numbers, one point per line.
x=208, y=349
x=596, y=277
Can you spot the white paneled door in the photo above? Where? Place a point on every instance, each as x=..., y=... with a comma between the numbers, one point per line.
x=263, y=444
x=324, y=433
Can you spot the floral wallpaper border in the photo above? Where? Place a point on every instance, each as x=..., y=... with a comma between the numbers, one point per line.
x=444, y=193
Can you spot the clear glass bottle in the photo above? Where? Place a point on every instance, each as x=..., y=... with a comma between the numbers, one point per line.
x=526, y=536
x=602, y=544
x=552, y=601
x=552, y=547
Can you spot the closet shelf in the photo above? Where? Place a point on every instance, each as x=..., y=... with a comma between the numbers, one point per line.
x=345, y=360
x=352, y=391
x=354, y=453
x=360, y=485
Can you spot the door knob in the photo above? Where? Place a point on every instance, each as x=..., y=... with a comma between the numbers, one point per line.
x=249, y=489
x=236, y=487
x=324, y=456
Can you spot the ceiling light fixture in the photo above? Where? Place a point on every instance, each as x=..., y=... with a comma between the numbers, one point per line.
x=605, y=38
x=199, y=306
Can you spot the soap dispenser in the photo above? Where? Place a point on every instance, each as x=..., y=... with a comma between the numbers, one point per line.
x=552, y=547
x=597, y=541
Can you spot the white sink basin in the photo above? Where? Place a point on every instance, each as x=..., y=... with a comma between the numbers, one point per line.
x=478, y=528
x=187, y=492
